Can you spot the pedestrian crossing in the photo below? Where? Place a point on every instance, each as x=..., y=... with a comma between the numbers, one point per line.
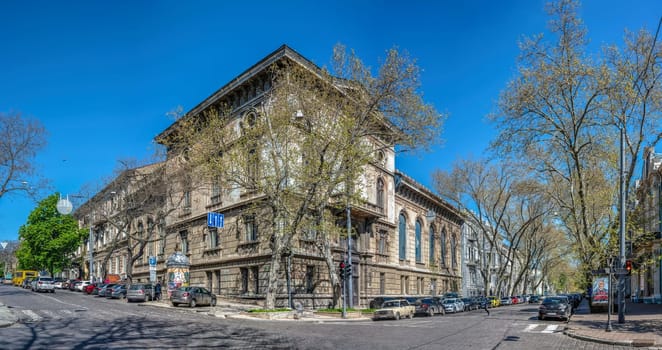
x=544, y=328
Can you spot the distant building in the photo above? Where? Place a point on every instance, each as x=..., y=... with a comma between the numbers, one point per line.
x=646, y=251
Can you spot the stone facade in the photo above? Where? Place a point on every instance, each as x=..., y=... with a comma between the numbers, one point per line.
x=405, y=241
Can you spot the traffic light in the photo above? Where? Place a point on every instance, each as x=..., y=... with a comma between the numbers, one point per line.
x=628, y=266
x=342, y=270
x=348, y=271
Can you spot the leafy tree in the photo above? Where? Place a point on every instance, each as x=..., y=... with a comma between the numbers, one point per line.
x=302, y=150
x=48, y=239
x=20, y=141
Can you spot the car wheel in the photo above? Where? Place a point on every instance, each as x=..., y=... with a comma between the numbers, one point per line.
x=53, y=291
x=192, y=303
x=174, y=304
x=430, y=312
x=397, y=316
x=540, y=317
x=213, y=302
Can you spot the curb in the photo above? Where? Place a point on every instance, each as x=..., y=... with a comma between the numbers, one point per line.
x=638, y=343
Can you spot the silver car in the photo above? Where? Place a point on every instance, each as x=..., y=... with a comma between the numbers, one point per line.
x=43, y=284
x=140, y=292
x=192, y=296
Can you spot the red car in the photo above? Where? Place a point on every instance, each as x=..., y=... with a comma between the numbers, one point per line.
x=89, y=289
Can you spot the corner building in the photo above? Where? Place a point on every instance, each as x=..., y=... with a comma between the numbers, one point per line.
x=405, y=240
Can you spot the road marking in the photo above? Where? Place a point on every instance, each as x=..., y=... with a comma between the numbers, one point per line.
x=531, y=327
x=550, y=329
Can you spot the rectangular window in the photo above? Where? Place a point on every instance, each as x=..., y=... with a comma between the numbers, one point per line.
x=382, y=283
x=251, y=228
x=407, y=285
x=244, y=280
x=213, y=237
x=310, y=279
x=419, y=285
x=215, y=192
x=183, y=235
x=403, y=290
x=382, y=243
x=256, y=279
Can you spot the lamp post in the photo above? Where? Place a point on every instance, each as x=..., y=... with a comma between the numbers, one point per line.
x=65, y=207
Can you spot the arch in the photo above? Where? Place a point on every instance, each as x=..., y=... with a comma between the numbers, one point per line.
x=402, y=236
x=417, y=243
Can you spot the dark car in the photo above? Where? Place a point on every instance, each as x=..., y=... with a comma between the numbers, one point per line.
x=555, y=307
x=192, y=296
x=470, y=304
x=27, y=282
x=106, y=289
x=377, y=302
x=118, y=292
x=429, y=307
x=534, y=299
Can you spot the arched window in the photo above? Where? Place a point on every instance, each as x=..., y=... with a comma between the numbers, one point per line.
x=418, y=242
x=380, y=194
x=443, y=247
x=453, y=251
x=402, y=229
x=431, y=258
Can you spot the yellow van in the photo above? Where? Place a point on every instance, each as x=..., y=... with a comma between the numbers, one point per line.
x=21, y=275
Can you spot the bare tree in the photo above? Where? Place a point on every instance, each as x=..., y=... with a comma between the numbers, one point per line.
x=20, y=141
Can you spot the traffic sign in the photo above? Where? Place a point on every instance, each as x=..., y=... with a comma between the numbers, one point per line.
x=152, y=261
x=215, y=219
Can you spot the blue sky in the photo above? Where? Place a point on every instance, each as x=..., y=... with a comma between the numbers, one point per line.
x=102, y=75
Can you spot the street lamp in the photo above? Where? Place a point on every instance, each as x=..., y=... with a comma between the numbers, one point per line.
x=65, y=207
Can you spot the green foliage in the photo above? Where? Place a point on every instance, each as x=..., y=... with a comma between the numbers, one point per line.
x=48, y=239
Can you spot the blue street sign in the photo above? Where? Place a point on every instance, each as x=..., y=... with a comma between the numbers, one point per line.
x=152, y=261
x=215, y=219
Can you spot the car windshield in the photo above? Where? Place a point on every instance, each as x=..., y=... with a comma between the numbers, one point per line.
x=552, y=301
x=46, y=279
x=391, y=304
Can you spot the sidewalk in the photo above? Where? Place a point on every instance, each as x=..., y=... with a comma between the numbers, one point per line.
x=229, y=309
x=642, y=326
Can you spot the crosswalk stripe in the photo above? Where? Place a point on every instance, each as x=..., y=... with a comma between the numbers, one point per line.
x=531, y=327
x=550, y=329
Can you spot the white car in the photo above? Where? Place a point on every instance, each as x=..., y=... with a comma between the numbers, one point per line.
x=80, y=287
x=453, y=305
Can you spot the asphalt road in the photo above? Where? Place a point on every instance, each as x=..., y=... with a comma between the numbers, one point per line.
x=70, y=320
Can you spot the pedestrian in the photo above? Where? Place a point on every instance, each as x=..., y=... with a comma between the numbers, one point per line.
x=487, y=303
x=157, y=291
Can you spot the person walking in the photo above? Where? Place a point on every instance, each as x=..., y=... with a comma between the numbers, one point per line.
x=157, y=291
x=487, y=303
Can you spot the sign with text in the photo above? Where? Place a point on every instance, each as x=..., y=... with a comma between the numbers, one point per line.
x=215, y=220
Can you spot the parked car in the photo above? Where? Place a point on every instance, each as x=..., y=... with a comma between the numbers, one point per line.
x=556, y=307
x=57, y=283
x=470, y=304
x=80, y=286
x=483, y=302
x=534, y=299
x=90, y=288
x=106, y=290
x=377, y=302
x=494, y=301
x=394, y=309
x=43, y=284
x=452, y=305
x=506, y=301
x=72, y=284
x=118, y=292
x=429, y=307
x=192, y=296
x=140, y=292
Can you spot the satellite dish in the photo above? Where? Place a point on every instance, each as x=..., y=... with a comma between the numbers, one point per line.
x=64, y=206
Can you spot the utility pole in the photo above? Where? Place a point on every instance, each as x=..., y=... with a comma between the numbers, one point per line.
x=349, y=255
